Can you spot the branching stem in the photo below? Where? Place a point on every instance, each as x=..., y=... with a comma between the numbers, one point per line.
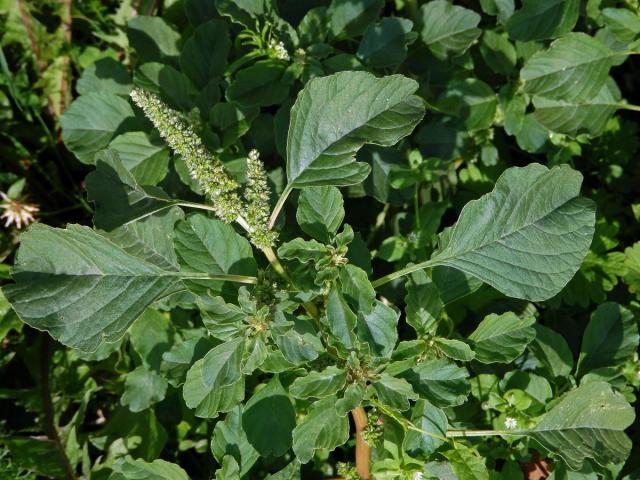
x=276, y=210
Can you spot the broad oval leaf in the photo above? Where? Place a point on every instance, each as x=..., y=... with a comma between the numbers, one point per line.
x=334, y=116
x=229, y=438
x=320, y=212
x=574, y=67
x=528, y=236
x=502, y=338
x=319, y=384
x=127, y=468
x=81, y=287
x=588, y=423
x=321, y=428
x=542, y=19
x=447, y=28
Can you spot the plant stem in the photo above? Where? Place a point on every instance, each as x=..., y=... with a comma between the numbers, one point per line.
x=47, y=406
x=279, y=205
x=480, y=433
x=363, y=452
x=224, y=277
x=275, y=263
x=403, y=272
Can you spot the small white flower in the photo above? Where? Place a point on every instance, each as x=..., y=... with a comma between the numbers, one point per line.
x=510, y=423
x=254, y=155
x=279, y=50
x=17, y=212
x=418, y=476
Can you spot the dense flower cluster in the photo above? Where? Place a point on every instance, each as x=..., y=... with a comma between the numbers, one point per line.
x=209, y=171
x=16, y=212
x=257, y=197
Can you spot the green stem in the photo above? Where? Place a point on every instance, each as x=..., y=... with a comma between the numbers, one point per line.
x=275, y=263
x=276, y=210
x=225, y=278
x=628, y=106
x=480, y=433
x=403, y=272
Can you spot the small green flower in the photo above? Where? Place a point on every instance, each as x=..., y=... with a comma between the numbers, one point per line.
x=256, y=195
x=206, y=169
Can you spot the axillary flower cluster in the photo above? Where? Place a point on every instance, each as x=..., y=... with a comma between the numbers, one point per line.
x=252, y=212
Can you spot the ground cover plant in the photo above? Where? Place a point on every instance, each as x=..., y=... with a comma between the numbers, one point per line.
x=320, y=239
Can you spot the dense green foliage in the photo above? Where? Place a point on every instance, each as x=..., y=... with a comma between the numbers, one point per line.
x=312, y=239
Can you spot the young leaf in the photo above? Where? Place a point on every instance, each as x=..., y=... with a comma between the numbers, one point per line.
x=588, y=423
x=552, y=350
x=128, y=468
x=334, y=116
x=215, y=383
x=527, y=237
x=574, y=67
x=394, y=392
x=91, y=122
x=86, y=272
x=143, y=388
x=379, y=328
x=502, y=338
x=431, y=420
x=222, y=319
x=269, y=419
x=440, y=381
x=611, y=337
x=319, y=384
x=357, y=289
x=384, y=45
x=454, y=349
x=542, y=19
x=573, y=117
x=467, y=464
x=229, y=438
x=118, y=197
x=321, y=428
x=423, y=303
x=320, y=212
x=340, y=319
x=447, y=28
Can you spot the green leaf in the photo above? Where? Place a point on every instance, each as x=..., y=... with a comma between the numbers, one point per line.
x=379, y=329
x=143, y=388
x=105, y=75
x=573, y=117
x=320, y=212
x=431, y=420
x=334, y=116
x=543, y=19
x=527, y=237
x=223, y=320
x=151, y=335
x=611, y=338
x=340, y=319
x=153, y=39
x=151, y=238
x=394, y=392
x=91, y=122
x=259, y=85
x=502, y=338
x=552, y=350
x=357, y=289
x=118, y=197
x=229, y=438
x=384, y=44
x=623, y=23
x=467, y=464
x=146, y=159
x=174, y=88
x=352, y=398
x=177, y=361
x=209, y=245
x=632, y=263
x=454, y=349
x=574, y=67
x=303, y=250
x=588, y=423
x=269, y=420
x=204, y=55
x=423, y=304
x=440, y=381
x=229, y=469
x=472, y=101
x=319, y=384
x=129, y=469
x=215, y=383
x=86, y=272
x=349, y=19
x=447, y=28
x=498, y=52
x=321, y=428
